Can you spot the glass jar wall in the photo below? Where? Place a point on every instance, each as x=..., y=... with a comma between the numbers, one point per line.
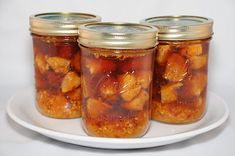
x=180, y=80
x=116, y=78
x=181, y=64
x=57, y=62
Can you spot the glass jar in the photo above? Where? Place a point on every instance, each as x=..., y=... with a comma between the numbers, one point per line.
x=117, y=68
x=57, y=62
x=180, y=74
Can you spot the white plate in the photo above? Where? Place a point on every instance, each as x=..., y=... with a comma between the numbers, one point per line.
x=21, y=109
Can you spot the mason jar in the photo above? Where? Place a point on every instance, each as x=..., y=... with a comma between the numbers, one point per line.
x=116, y=68
x=181, y=65
x=57, y=62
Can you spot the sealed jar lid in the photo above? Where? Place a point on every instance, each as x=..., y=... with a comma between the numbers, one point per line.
x=60, y=23
x=181, y=27
x=118, y=35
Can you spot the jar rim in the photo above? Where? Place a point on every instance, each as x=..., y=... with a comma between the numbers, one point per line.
x=118, y=35
x=182, y=27
x=60, y=23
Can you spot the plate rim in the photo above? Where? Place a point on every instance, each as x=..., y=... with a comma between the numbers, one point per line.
x=142, y=140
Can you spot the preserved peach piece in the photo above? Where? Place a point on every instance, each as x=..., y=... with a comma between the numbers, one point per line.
x=92, y=66
x=144, y=78
x=70, y=81
x=108, y=88
x=176, y=68
x=168, y=92
x=137, y=104
x=198, y=83
x=162, y=53
x=59, y=65
x=192, y=50
x=131, y=93
x=95, y=107
x=41, y=63
x=95, y=66
x=198, y=62
x=128, y=87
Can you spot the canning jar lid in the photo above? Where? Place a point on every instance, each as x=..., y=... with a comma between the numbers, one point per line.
x=60, y=23
x=118, y=35
x=181, y=27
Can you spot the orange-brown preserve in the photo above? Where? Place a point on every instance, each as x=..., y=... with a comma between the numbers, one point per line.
x=180, y=74
x=57, y=62
x=116, y=91
x=180, y=80
x=57, y=75
x=117, y=70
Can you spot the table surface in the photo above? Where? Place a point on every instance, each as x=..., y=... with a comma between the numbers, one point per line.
x=15, y=139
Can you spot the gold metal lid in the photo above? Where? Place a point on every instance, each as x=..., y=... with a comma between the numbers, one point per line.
x=118, y=35
x=181, y=27
x=60, y=23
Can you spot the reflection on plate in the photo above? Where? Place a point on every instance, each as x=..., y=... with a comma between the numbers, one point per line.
x=21, y=109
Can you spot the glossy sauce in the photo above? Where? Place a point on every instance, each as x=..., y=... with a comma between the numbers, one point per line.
x=116, y=91
x=180, y=80
x=57, y=75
